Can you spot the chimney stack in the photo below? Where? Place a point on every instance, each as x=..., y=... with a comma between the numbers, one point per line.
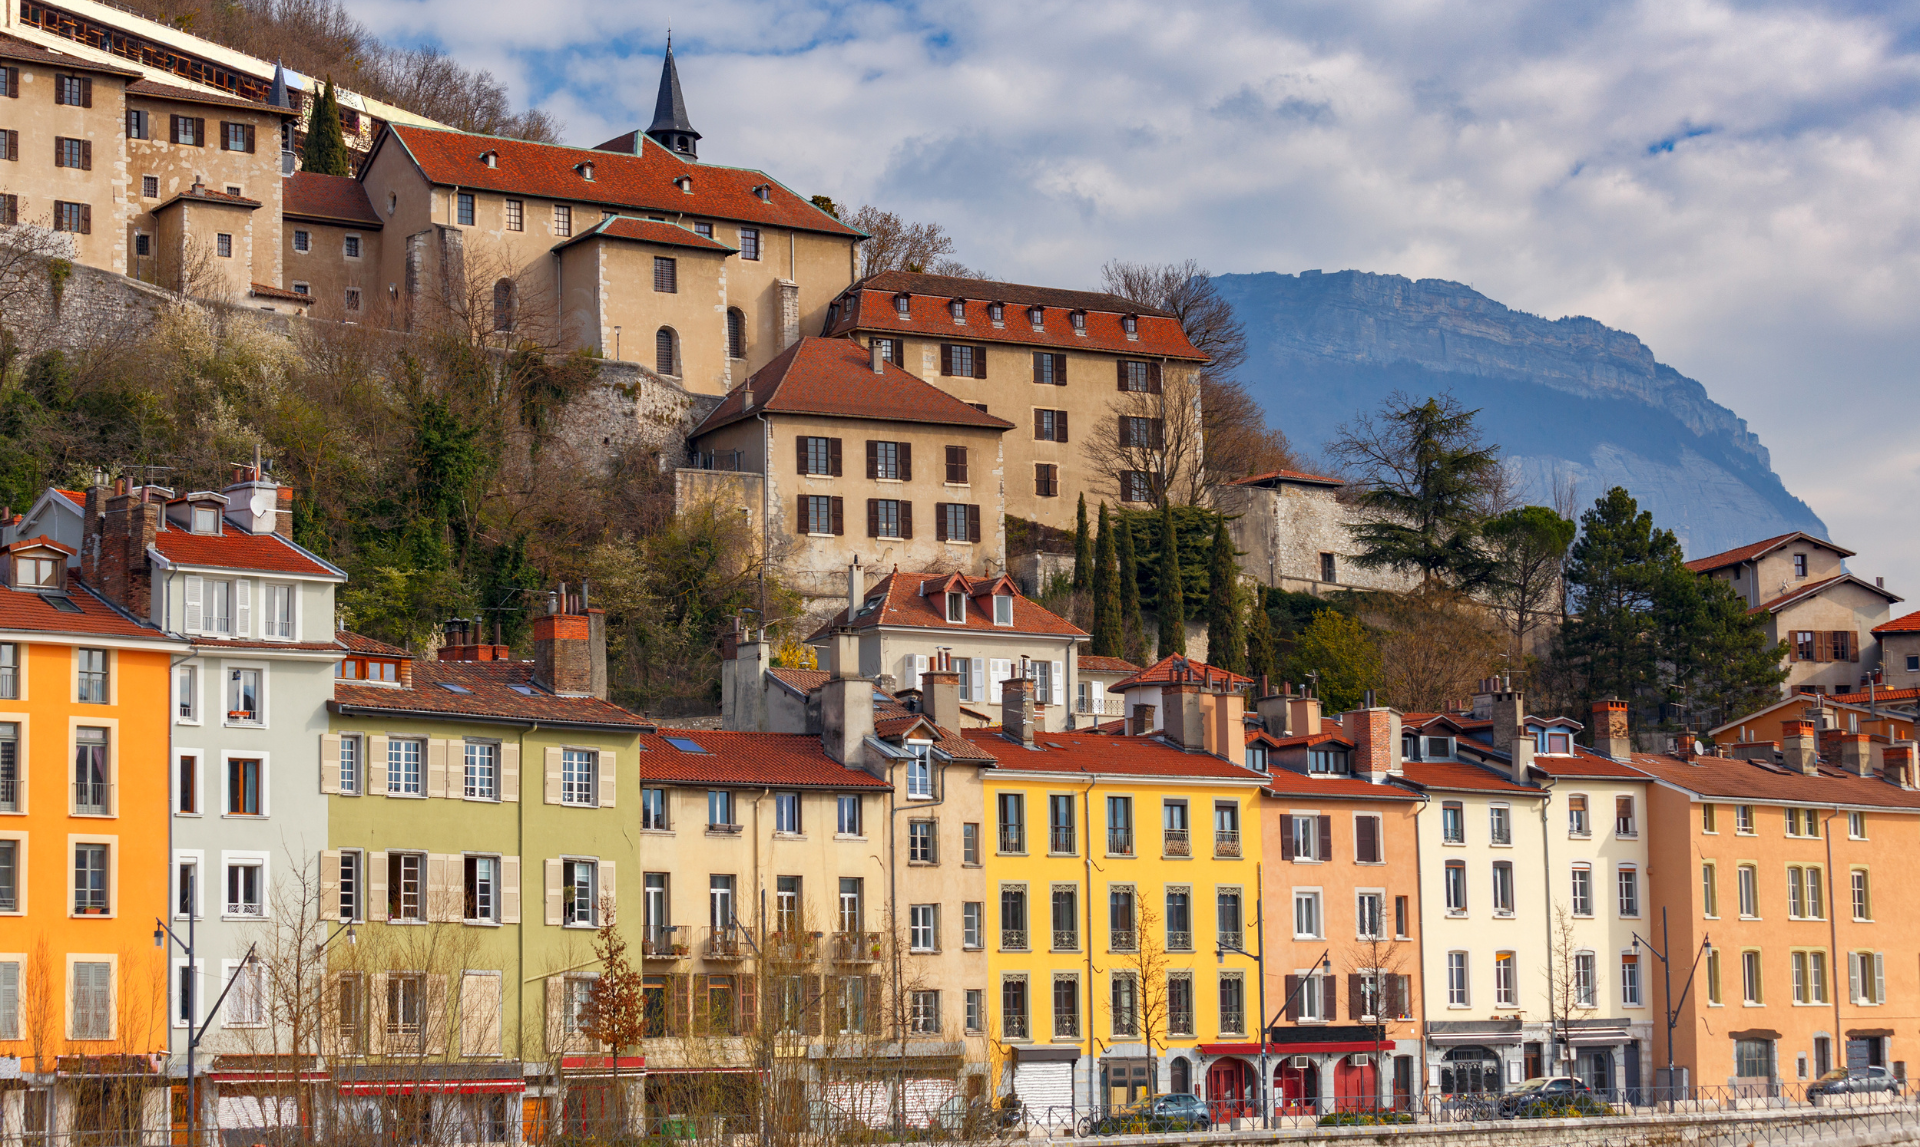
x=1610, y=736
x=1756, y=751
x=1229, y=729
x=1272, y=708
x=1897, y=763
x=119, y=527
x=1375, y=732
x=878, y=357
x=255, y=502
x=1856, y=753
x=1800, y=747
x=1507, y=708
x=940, y=692
x=1303, y=716
x=566, y=659
x=1183, y=721
x=1016, y=709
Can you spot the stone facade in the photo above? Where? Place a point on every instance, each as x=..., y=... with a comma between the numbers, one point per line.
x=1294, y=532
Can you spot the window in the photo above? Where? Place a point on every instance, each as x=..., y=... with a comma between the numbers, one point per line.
x=243, y=787
x=1119, y=826
x=786, y=812
x=1628, y=880
x=350, y=756
x=244, y=889
x=924, y=1015
x=1138, y=432
x=92, y=1000
x=186, y=688
x=1066, y=918
x=579, y=777
x=1862, y=900
x=1582, y=890
x=90, y=772
x=562, y=219
x=970, y=844
x=73, y=91
x=579, y=892
x=922, y=927
x=1799, y=565
x=1502, y=888
x=847, y=816
x=406, y=1005
x=1753, y=1058
x=749, y=242
x=403, y=766
x=1750, y=976
x=1013, y=918
x=1709, y=890
x=665, y=275
x=1857, y=826
x=1749, y=891
x=1003, y=615
x=819, y=457
x=889, y=518
x=1013, y=1007
x=351, y=907
x=1456, y=887
x=93, y=676
x=353, y=298
x=1453, y=823
x=1630, y=980
x=958, y=360
x=852, y=903
x=1233, y=1004
x=1457, y=996
x=1743, y=819
x=976, y=1018
x=1809, y=977
x=10, y=769
x=1709, y=821
x=482, y=771
x=1577, y=823
x=75, y=153
x=1179, y=920
x=1867, y=978
x=223, y=245
x=1125, y=1004
x=720, y=809
x=1306, y=915
x=1079, y=321
x=1623, y=822
x=1230, y=921
x=1121, y=922
x=923, y=842
x=90, y=879
x=1506, y=985
x=1585, y=987
x=1304, y=838
x=1327, y=762
x=1803, y=645
x=1049, y=425
x=1500, y=824
x=243, y=696
x=1713, y=976
x=957, y=475
x=9, y=876
x=973, y=925
x=74, y=217
x=406, y=876
x=464, y=208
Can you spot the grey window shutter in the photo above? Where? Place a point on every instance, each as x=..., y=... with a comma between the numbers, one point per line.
x=1293, y=1000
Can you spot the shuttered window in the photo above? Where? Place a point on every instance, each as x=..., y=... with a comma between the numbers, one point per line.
x=1046, y=480
x=957, y=465
x=956, y=522
x=1050, y=425
x=75, y=217
x=237, y=137
x=666, y=276
x=663, y=351
x=92, y=1000
x=9, y=144
x=187, y=131
x=1049, y=369
x=73, y=91
x=74, y=153
x=821, y=514
x=1140, y=377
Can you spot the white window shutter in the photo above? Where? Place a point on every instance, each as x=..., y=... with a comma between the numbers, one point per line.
x=605, y=891
x=1854, y=960
x=437, y=767
x=437, y=898
x=377, y=888
x=479, y=1014
x=330, y=884
x=1879, y=978
x=1057, y=684
x=191, y=614
x=376, y=763
x=509, y=770
x=979, y=680
x=607, y=778
x=553, y=893
x=553, y=774
x=437, y=1018
x=377, y=1011
x=242, y=607
x=510, y=890
x=910, y=671
x=330, y=763
x=10, y=1000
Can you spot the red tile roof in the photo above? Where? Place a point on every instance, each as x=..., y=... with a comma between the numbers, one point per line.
x=367, y=646
x=37, y=540
x=1758, y=781
x=1747, y=553
x=1861, y=697
x=1304, y=740
x=1821, y=586
x=329, y=198
x=156, y=91
x=256, y=643
x=77, y=497
x=200, y=194
x=899, y=602
x=12, y=48
x=1091, y=663
x=643, y=181
x=1287, y=783
x=1585, y=763
x=869, y=306
x=22, y=612
x=789, y=760
x=267, y=292
x=944, y=739
x=1288, y=476
x=1461, y=776
x=801, y=681
x=1909, y=623
x=834, y=377
x=647, y=231
x=235, y=549
x=1074, y=752
x=1164, y=672
x=488, y=692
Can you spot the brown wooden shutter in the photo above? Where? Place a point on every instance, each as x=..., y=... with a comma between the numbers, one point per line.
x=13, y=83
x=833, y=457
x=1039, y=366
x=906, y=519
x=973, y=523
x=1059, y=426
x=1363, y=828
x=1356, y=1005
x=1122, y=364
x=249, y=130
x=961, y=451
x=1330, y=997
x=749, y=1017
x=680, y=1007
x=86, y=219
x=224, y=137
x=873, y=515
x=801, y=528
x=86, y=92
x=1158, y=430
x=812, y=1002
x=1389, y=998
x=1286, y=838
x=873, y=459
x=939, y=521
x=1822, y=645
x=906, y=461
x=800, y=454
x=86, y=155
x=13, y=146
x=702, y=1013
x=1039, y=425
x=1293, y=1000
x=839, y=516
x=1402, y=997
x=875, y=1005
x=1326, y=838
x=199, y=132
x=1853, y=647
x=1153, y=378
x=946, y=358
x=979, y=362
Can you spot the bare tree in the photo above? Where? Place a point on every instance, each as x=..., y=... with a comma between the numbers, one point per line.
x=1563, y=977
x=1146, y=966
x=893, y=244
x=1186, y=291
x=1379, y=990
x=1159, y=432
x=1239, y=443
x=1434, y=645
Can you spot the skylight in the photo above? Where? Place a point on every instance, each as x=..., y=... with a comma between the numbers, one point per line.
x=452, y=688
x=62, y=603
x=523, y=690
x=684, y=744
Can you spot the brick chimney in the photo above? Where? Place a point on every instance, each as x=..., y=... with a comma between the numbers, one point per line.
x=1375, y=733
x=1855, y=753
x=1897, y=764
x=1610, y=737
x=466, y=641
x=1507, y=708
x=119, y=527
x=1016, y=709
x=1800, y=747
x=940, y=692
x=564, y=654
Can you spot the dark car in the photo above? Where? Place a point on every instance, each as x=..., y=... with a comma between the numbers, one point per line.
x=1548, y=1095
x=1854, y=1081
x=1161, y=1113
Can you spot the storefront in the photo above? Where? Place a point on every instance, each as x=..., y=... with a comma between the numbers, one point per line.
x=1313, y=1069
x=433, y=1103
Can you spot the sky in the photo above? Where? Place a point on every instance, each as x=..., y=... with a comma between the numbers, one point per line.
x=1738, y=184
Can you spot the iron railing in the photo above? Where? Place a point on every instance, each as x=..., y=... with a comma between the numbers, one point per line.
x=1226, y=842
x=1176, y=842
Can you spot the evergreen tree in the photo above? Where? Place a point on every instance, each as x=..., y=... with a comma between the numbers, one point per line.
x=1107, y=632
x=1261, y=652
x=325, y=152
x=1172, y=604
x=1341, y=659
x=1226, y=635
x=1133, y=632
x=1425, y=475
x=1082, y=550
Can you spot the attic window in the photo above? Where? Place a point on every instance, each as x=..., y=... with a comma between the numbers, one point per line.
x=1327, y=762
x=1131, y=325
x=871, y=604
x=490, y=157
x=452, y=688
x=997, y=312
x=206, y=519
x=1439, y=748
x=764, y=192
x=684, y=183
x=585, y=168
x=903, y=305
x=523, y=690
x=684, y=744
x=63, y=603
x=37, y=573
x=1555, y=744
x=1002, y=609
x=957, y=608
x=1038, y=317
x=1079, y=322
x=958, y=309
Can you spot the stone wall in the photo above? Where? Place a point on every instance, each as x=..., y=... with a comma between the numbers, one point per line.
x=1282, y=532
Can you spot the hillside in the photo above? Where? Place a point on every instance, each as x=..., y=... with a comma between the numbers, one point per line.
x=1567, y=395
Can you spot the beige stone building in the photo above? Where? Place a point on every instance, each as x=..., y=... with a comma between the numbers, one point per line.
x=1824, y=615
x=329, y=244
x=1060, y=365
x=1296, y=533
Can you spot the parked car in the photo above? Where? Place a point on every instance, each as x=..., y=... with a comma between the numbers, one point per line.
x=1549, y=1095
x=1161, y=1113
x=1854, y=1081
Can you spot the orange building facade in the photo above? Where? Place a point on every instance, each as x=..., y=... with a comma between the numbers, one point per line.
x=83, y=843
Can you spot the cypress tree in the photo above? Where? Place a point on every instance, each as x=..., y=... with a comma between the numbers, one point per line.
x=1226, y=635
x=1172, y=604
x=1260, y=651
x=1082, y=551
x=325, y=152
x=1107, y=633
x=1133, y=635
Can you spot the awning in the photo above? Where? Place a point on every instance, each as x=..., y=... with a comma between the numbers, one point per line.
x=1471, y=1038
x=1601, y=1038
x=1343, y=1048
x=435, y=1087
x=265, y=1077
x=603, y=1064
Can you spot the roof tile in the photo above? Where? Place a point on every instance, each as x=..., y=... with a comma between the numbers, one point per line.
x=486, y=690
x=835, y=378
x=1753, y=550
x=1165, y=671
x=793, y=760
x=235, y=549
x=1145, y=756
x=647, y=231
x=22, y=612
x=898, y=601
x=335, y=198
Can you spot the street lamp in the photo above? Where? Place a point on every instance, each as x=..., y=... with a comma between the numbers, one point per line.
x=1259, y=958
x=195, y=1033
x=1673, y=1005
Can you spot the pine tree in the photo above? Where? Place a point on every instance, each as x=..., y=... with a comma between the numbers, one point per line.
x=1133, y=632
x=325, y=152
x=1260, y=646
x=1107, y=632
x=1425, y=473
x=1082, y=550
x=1172, y=603
x=1226, y=634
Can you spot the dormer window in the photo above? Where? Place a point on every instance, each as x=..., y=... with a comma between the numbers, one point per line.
x=1131, y=325
x=1038, y=317
x=764, y=192
x=585, y=168
x=957, y=608
x=206, y=519
x=997, y=312
x=1410, y=746
x=490, y=157
x=1327, y=762
x=684, y=183
x=870, y=604
x=1438, y=748
x=38, y=573
x=1002, y=609
x=1555, y=743
x=1079, y=319
x=1257, y=758
x=903, y=305
x=958, y=309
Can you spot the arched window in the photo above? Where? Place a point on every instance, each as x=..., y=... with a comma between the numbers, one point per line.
x=736, y=333
x=503, y=305
x=1180, y=1072
x=664, y=346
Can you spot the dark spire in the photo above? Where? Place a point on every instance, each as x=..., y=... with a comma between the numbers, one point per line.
x=277, y=96
x=671, y=128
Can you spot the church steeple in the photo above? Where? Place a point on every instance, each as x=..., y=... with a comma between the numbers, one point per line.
x=671, y=129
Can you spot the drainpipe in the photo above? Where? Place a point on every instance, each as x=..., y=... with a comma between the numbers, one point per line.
x=1086, y=805
x=766, y=513
x=1833, y=942
x=1546, y=859
x=1420, y=951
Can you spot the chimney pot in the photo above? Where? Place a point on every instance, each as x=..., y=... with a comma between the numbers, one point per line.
x=1016, y=709
x=1610, y=734
x=878, y=358
x=566, y=659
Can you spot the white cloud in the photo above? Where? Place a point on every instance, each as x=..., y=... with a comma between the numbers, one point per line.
x=1731, y=182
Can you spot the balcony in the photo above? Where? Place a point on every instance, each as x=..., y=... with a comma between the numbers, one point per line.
x=1119, y=842
x=1226, y=843
x=1104, y=707
x=723, y=829
x=1013, y=939
x=793, y=946
x=1179, y=941
x=856, y=947
x=1060, y=839
x=1066, y=1025
x=726, y=942
x=1232, y=940
x=1123, y=940
x=244, y=908
x=1233, y=1021
x=91, y=798
x=9, y=794
x=1013, y=1026
x=1176, y=842
x=1066, y=940
x=1013, y=838
x=665, y=942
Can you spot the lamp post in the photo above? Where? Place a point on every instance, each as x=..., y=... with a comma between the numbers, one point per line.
x=1673, y=1005
x=1259, y=958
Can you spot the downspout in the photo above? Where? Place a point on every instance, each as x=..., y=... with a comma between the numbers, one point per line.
x=1086, y=805
x=1546, y=860
x=1833, y=941
x=1419, y=919
x=520, y=937
x=766, y=512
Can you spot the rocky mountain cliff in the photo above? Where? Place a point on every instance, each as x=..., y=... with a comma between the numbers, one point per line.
x=1567, y=395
